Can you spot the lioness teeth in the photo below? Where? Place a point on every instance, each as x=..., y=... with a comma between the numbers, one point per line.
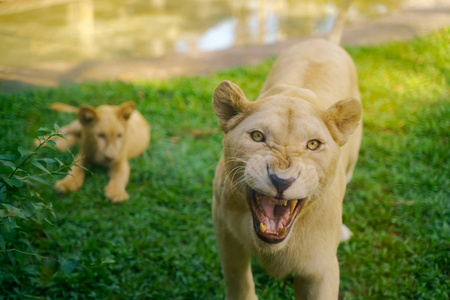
x=262, y=227
x=278, y=203
x=293, y=204
x=282, y=231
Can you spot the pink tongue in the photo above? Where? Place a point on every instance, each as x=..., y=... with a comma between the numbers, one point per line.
x=274, y=213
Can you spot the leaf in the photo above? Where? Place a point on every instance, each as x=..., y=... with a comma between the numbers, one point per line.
x=50, y=149
x=8, y=163
x=68, y=265
x=48, y=221
x=59, y=162
x=13, y=211
x=28, y=209
x=60, y=135
x=38, y=205
x=11, y=258
x=46, y=160
x=6, y=170
x=12, y=182
x=51, y=144
x=24, y=152
x=84, y=168
x=49, y=208
x=9, y=224
x=108, y=260
x=39, y=179
x=2, y=244
x=59, y=173
x=38, y=165
x=44, y=129
x=3, y=193
x=7, y=157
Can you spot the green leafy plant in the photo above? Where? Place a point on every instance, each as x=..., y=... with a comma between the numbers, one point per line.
x=22, y=208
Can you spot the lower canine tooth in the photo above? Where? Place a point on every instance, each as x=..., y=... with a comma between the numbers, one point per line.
x=262, y=227
x=292, y=207
x=282, y=231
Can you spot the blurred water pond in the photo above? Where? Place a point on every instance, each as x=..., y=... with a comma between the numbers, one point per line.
x=34, y=32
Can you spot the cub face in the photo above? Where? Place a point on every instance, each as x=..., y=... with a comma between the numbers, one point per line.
x=281, y=152
x=104, y=131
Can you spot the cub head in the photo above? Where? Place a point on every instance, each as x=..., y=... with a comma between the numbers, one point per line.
x=281, y=151
x=103, y=130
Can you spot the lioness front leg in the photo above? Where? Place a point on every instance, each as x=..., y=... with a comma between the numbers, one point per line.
x=74, y=179
x=236, y=266
x=118, y=174
x=319, y=287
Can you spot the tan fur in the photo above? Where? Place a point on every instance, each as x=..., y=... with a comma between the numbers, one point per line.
x=310, y=93
x=109, y=136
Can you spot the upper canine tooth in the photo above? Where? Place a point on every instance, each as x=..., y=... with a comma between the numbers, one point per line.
x=285, y=203
x=292, y=207
x=262, y=227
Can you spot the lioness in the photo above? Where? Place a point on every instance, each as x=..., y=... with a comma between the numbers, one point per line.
x=287, y=158
x=109, y=135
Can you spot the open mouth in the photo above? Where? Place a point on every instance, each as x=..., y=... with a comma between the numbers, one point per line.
x=273, y=218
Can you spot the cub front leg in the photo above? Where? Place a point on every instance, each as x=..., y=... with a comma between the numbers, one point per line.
x=74, y=179
x=118, y=174
x=236, y=266
x=323, y=286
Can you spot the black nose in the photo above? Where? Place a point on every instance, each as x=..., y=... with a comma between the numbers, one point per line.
x=108, y=158
x=281, y=184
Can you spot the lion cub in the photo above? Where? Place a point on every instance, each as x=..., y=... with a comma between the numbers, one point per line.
x=109, y=135
x=287, y=158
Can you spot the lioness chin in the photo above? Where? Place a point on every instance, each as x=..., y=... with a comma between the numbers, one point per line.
x=287, y=157
x=109, y=135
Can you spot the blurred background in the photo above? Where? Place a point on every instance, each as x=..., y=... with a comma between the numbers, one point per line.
x=43, y=42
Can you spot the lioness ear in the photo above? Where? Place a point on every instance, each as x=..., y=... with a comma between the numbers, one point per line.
x=342, y=118
x=228, y=101
x=87, y=115
x=126, y=109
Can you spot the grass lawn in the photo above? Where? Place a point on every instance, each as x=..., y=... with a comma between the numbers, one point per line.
x=160, y=244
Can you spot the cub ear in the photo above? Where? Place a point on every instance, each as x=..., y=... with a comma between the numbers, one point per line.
x=126, y=109
x=228, y=102
x=342, y=118
x=87, y=115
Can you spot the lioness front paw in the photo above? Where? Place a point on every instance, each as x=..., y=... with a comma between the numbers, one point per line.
x=115, y=194
x=67, y=184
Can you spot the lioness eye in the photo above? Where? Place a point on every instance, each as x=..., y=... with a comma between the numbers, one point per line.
x=119, y=135
x=101, y=135
x=313, y=144
x=257, y=136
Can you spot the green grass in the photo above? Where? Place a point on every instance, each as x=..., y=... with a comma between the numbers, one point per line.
x=160, y=244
